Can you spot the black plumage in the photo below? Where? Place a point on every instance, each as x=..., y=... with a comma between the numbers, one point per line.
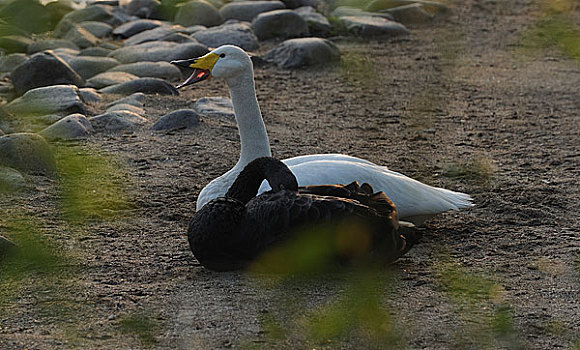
x=231, y=232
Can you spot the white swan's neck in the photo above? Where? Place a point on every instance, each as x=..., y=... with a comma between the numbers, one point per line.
x=253, y=136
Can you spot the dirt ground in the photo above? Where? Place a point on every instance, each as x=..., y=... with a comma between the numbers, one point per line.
x=457, y=104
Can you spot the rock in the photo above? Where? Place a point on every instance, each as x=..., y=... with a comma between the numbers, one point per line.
x=318, y=25
x=89, y=95
x=95, y=51
x=29, y=153
x=50, y=44
x=48, y=99
x=6, y=246
x=15, y=43
x=195, y=29
x=296, y=53
x=158, y=51
x=180, y=119
x=89, y=66
x=161, y=70
x=214, y=107
x=98, y=29
x=372, y=26
x=143, y=8
x=2, y=132
x=156, y=34
x=9, y=62
x=411, y=14
x=344, y=11
x=432, y=7
x=70, y=127
x=129, y=29
x=117, y=121
x=247, y=10
x=105, y=79
x=44, y=69
x=293, y=4
x=279, y=23
x=81, y=37
x=145, y=85
x=65, y=53
x=137, y=99
x=198, y=12
x=126, y=107
x=239, y=34
x=11, y=180
x=98, y=13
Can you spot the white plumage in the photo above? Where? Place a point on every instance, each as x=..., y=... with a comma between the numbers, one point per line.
x=415, y=201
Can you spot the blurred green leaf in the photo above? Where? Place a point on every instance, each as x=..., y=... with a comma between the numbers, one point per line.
x=93, y=186
x=142, y=325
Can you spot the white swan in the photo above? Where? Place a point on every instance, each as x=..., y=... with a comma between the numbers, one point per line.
x=415, y=201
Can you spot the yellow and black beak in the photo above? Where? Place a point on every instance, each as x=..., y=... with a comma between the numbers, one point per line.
x=201, y=66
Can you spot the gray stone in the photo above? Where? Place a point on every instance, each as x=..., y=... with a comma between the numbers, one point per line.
x=95, y=51
x=6, y=246
x=180, y=119
x=81, y=37
x=43, y=69
x=29, y=153
x=11, y=180
x=105, y=79
x=117, y=121
x=65, y=53
x=214, y=107
x=98, y=29
x=411, y=14
x=2, y=132
x=48, y=99
x=145, y=85
x=293, y=4
x=432, y=7
x=89, y=66
x=129, y=29
x=158, y=51
x=143, y=8
x=137, y=99
x=301, y=52
x=161, y=70
x=239, y=34
x=9, y=62
x=70, y=127
x=89, y=96
x=195, y=29
x=344, y=11
x=318, y=25
x=49, y=44
x=98, y=13
x=198, y=12
x=15, y=43
x=372, y=26
x=247, y=10
x=126, y=107
x=279, y=24
x=155, y=34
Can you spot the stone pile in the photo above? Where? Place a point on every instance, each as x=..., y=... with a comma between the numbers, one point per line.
x=108, y=48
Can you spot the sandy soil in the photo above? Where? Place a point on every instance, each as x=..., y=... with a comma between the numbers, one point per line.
x=457, y=104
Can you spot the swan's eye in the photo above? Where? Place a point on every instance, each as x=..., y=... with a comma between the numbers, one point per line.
x=222, y=55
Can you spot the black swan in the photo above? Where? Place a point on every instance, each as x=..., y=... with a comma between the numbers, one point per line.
x=231, y=232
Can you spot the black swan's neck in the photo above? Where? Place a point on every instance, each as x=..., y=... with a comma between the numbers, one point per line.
x=246, y=185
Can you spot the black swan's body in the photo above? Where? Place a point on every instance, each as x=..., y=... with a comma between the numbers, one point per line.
x=230, y=232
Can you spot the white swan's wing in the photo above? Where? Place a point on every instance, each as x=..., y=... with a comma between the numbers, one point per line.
x=325, y=157
x=412, y=198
